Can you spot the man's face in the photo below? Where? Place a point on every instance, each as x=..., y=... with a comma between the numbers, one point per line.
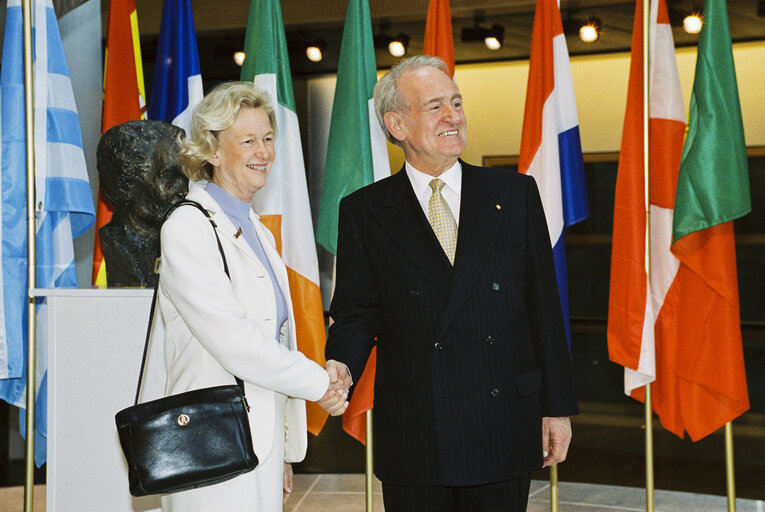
x=433, y=131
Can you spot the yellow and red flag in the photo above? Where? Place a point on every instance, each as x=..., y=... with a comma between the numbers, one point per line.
x=124, y=97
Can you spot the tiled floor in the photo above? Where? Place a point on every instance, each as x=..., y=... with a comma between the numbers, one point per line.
x=345, y=493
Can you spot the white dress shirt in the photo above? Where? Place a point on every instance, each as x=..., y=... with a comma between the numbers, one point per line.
x=452, y=191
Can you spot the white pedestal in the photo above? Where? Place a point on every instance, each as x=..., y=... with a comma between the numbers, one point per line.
x=95, y=343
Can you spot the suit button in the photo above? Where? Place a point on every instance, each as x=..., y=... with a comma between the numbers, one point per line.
x=438, y=346
x=495, y=286
x=494, y=392
x=414, y=293
x=490, y=340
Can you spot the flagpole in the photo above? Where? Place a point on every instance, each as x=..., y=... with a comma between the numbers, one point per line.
x=554, y=488
x=370, y=474
x=29, y=480
x=730, y=477
x=649, y=480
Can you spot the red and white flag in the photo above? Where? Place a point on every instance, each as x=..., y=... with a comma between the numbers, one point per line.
x=635, y=301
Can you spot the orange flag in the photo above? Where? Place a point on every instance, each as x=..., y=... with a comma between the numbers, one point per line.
x=439, y=40
x=124, y=97
x=354, y=419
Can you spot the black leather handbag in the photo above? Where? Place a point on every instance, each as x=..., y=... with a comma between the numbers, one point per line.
x=189, y=440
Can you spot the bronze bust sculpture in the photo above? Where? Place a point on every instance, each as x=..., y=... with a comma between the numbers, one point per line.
x=140, y=176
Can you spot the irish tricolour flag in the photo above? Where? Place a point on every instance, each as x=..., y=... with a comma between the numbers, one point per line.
x=551, y=151
x=283, y=203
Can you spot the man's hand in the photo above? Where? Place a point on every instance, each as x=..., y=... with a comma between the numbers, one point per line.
x=556, y=436
x=288, y=481
x=339, y=370
x=335, y=400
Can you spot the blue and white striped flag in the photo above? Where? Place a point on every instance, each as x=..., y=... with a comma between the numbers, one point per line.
x=177, y=85
x=64, y=204
x=551, y=151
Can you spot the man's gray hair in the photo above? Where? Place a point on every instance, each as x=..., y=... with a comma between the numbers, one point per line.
x=387, y=95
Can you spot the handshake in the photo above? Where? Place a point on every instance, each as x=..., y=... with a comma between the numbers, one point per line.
x=335, y=400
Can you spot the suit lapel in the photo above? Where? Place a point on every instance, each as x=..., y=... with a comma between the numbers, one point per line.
x=403, y=219
x=479, y=218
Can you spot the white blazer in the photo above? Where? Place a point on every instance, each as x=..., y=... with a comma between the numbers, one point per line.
x=216, y=327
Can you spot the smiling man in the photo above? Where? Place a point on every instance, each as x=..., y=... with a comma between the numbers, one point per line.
x=448, y=268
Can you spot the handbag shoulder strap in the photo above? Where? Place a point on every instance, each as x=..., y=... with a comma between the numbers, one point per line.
x=156, y=288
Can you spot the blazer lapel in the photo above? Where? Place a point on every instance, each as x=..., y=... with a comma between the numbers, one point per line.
x=479, y=218
x=403, y=219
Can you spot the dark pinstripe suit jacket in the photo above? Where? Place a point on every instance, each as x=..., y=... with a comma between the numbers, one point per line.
x=470, y=357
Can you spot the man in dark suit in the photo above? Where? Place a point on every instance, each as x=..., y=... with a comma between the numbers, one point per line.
x=448, y=268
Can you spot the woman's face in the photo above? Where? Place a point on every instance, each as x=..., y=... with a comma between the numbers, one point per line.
x=245, y=154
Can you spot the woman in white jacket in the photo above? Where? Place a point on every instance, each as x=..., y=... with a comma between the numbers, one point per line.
x=218, y=327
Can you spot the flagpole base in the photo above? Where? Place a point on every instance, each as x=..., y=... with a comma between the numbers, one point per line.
x=370, y=472
x=649, y=483
x=730, y=476
x=554, y=488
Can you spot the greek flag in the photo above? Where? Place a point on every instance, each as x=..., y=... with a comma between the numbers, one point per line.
x=177, y=86
x=64, y=205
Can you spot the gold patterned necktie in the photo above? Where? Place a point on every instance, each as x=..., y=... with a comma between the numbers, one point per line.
x=442, y=220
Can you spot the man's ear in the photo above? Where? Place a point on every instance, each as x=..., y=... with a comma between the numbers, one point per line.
x=396, y=125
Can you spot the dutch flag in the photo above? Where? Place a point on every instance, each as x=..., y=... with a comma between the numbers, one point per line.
x=551, y=151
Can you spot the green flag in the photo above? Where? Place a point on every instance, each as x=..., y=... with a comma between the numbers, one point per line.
x=713, y=185
x=356, y=152
x=265, y=49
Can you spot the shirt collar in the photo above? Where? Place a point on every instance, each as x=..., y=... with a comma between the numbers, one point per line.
x=420, y=181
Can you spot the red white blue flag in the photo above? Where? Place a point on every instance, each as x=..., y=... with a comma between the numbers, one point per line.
x=551, y=150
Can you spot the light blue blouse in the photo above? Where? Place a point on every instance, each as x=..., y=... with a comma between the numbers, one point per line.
x=239, y=213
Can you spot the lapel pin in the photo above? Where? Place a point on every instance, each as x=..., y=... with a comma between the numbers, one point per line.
x=238, y=233
x=498, y=207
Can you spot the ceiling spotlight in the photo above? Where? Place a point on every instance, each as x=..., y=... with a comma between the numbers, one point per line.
x=692, y=22
x=396, y=45
x=315, y=51
x=589, y=32
x=492, y=37
x=239, y=58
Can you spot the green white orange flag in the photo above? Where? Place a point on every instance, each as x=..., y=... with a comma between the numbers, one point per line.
x=356, y=155
x=124, y=97
x=701, y=381
x=439, y=39
x=663, y=328
x=283, y=203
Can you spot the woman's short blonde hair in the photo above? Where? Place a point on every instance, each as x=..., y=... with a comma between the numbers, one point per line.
x=216, y=112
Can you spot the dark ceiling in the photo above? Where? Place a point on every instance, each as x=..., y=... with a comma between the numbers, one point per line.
x=217, y=45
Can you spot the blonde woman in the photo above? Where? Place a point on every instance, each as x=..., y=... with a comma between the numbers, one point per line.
x=218, y=327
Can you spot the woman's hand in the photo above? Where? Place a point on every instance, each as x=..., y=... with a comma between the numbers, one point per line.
x=288, y=481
